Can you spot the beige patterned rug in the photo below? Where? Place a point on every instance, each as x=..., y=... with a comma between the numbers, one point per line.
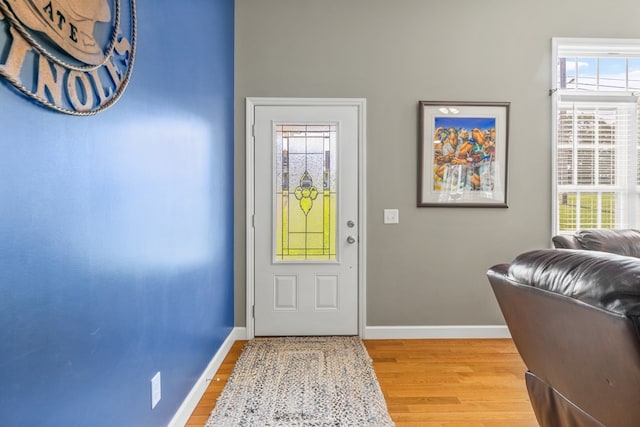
x=302, y=381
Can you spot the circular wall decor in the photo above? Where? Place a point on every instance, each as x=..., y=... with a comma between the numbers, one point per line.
x=73, y=56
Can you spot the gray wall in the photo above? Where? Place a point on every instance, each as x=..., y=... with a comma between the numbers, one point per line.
x=429, y=269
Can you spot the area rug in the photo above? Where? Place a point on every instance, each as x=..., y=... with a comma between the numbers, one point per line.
x=302, y=381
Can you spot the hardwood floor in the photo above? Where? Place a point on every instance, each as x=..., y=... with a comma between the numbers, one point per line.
x=431, y=383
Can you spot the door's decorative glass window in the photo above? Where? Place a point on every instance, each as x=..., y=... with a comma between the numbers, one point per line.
x=305, y=210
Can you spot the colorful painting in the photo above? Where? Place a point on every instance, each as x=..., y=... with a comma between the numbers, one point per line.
x=462, y=154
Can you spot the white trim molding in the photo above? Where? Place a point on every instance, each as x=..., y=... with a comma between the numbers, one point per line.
x=189, y=404
x=435, y=332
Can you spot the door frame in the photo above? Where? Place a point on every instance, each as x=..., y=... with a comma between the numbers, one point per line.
x=361, y=105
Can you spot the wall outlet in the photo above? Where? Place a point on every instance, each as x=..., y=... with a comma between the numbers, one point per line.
x=391, y=216
x=156, y=390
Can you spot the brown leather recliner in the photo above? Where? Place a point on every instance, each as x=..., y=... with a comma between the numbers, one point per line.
x=623, y=241
x=574, y=316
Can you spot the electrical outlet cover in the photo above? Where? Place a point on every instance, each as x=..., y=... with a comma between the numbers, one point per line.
x=156, y=390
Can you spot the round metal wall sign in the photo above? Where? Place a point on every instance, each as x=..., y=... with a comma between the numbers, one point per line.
x=73, y=56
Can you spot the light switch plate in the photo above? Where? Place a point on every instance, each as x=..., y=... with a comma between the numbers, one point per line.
x=391, y=216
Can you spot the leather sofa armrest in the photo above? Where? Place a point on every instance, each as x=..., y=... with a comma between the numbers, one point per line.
x=604, y=280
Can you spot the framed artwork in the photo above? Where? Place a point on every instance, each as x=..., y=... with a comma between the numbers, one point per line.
x=462, y=154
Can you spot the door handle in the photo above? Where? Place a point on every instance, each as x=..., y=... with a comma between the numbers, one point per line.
x=351, y=240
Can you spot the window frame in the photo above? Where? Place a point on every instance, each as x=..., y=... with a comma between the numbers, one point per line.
x=596, y=48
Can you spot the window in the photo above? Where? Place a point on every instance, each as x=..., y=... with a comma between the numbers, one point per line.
x=595, y=134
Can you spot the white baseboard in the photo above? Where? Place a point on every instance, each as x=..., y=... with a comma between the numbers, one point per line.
x=426, y=332
x=186, y=409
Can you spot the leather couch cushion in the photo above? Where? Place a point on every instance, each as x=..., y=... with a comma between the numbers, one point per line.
x=605, y=280
x=623, y=242
x=563, y=241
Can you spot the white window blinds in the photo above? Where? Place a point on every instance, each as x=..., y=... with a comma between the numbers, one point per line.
x=595, y=163
x=596, y=174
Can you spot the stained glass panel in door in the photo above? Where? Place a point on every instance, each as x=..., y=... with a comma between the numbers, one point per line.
x=305, y=210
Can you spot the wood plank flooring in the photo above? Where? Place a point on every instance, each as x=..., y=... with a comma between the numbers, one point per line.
x=431, y=383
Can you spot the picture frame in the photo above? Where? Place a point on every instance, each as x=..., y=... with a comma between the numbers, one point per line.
x=463, y=154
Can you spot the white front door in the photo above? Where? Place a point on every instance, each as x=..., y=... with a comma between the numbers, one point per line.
x=305, y=216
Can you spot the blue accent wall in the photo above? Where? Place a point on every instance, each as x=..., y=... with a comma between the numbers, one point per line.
x=116, y=233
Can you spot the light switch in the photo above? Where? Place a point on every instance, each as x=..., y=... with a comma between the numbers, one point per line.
x=391, y=216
